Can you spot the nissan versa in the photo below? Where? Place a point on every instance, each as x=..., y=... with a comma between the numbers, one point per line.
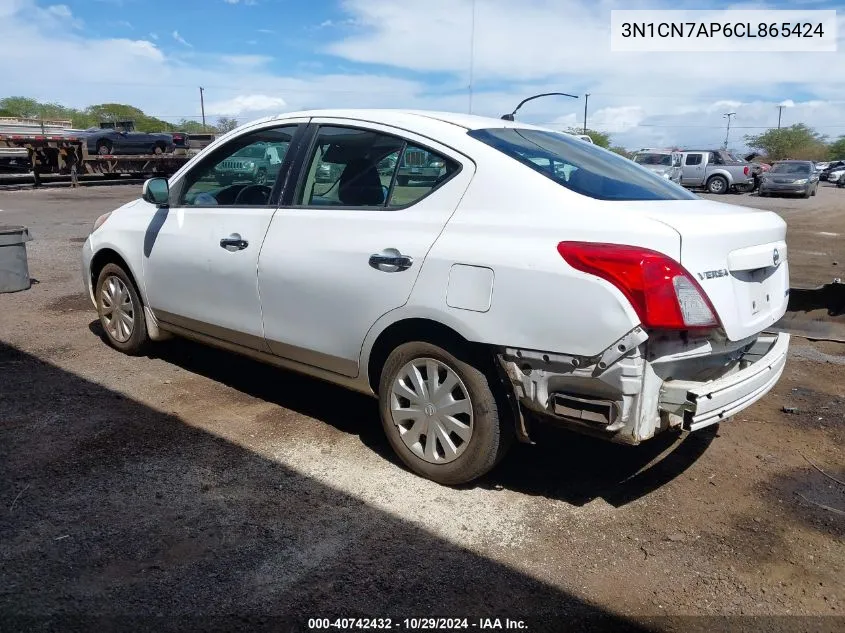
x=533, y=277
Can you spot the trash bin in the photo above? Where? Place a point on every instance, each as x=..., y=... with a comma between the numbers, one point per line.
x=14, y=272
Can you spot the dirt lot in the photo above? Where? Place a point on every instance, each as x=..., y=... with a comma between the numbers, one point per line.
x=196, y=489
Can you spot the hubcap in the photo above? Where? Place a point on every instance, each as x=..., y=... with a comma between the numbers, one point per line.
x=716, y=185
x=117, y=309
x=432, y=411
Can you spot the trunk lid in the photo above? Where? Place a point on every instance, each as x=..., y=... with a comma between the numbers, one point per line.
x=737, y=255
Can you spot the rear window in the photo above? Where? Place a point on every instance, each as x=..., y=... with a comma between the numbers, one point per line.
x=654, y=159
x=581, y=167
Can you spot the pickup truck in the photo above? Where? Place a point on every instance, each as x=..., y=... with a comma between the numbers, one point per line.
x=717, y=171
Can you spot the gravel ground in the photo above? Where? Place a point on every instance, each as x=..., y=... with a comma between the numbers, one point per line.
x=196, y=489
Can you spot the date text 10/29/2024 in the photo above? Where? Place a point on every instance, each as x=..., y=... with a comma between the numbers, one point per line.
x=416, y=624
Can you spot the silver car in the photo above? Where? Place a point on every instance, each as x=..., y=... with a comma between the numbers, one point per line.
x=664, y=163
x=790, y=177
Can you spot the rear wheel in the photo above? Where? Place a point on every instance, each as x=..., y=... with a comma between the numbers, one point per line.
x=440, y=413
x=104, y=148
x=158, y=148
x=261, y=177
x=717, y=184
x=120, y=309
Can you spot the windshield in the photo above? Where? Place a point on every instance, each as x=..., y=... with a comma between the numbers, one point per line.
x=654, y=159
x=791, y=168
x=581, y=167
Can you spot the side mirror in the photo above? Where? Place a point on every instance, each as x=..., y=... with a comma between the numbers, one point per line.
x=156, y=191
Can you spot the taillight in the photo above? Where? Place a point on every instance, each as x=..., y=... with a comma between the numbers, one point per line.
x=664, y=295
x=745, y=170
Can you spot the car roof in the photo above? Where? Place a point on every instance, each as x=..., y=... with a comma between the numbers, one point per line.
x=400, y=117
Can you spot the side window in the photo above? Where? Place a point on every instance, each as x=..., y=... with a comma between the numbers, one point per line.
x=350, y=168
x=715, y=159
x=420, y=171
x=241, y=173
x=693, y=159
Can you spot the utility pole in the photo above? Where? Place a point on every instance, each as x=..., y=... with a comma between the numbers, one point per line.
x=202, y=107
x=471, y=54
x=780, y=111
x=586, y=100
x=728, y=132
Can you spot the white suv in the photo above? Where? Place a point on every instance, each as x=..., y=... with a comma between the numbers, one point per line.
x=537, y=277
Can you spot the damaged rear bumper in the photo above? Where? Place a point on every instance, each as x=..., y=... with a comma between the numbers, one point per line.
x=642, y=385
x=704, y=403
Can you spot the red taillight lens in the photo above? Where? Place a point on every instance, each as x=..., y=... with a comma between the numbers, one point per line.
x=745, y=170
x=663, y=294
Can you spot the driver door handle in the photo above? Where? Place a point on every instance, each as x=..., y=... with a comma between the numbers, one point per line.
x=233, y=243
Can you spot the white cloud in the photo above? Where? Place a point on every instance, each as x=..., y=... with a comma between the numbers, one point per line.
x=60, y=11
x=153, y=36
x=245, y=61
x=248, y=103
x=266, y=31
x=181, y=39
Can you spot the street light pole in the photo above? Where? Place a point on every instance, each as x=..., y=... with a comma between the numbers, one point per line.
x=728, y=132
x=586, y=100
x=780, y=111
x=509, y=117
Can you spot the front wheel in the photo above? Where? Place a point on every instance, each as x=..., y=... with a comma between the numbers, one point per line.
x=121, y=311
x=441, y=415
x=717, y=184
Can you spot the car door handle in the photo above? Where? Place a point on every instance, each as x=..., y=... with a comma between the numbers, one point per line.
x=233, y=243
x=390, y=260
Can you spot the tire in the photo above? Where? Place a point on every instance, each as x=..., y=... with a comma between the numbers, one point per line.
x=815, y=189
x=113, y=278
x=807, y=193
x=104, y=148
x=717, y=185
x=402, y=181
x=261, y=177
x=490, y=432
x=158, y=148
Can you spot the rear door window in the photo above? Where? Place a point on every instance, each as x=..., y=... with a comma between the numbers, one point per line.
x=693, y=159
x=581, y=167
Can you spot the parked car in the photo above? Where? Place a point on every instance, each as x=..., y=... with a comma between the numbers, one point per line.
x=665, y=163
x=121, y=138
x=717, y=171
x=258, y=164
x=597, y=296
x=840, y=183
x=836, y=166
x=792, y=177
x=836, y=175
x=419, y=166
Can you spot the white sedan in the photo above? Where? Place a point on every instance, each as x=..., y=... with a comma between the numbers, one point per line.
x=535, y=278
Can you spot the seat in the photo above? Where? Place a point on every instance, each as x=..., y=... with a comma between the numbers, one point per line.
x=360, y=185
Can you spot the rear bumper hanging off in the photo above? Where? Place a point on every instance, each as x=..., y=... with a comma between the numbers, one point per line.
x=706, y=403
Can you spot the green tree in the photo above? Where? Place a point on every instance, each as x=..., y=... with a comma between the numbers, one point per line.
x=836, y=150
x=20, y=106
x=616, y=149
x=195, y=127
x=599, y=138
x=226, y=124
x=796, y=141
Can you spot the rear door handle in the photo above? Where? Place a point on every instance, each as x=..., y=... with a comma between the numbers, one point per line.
x=390, y=260
x=233, y=243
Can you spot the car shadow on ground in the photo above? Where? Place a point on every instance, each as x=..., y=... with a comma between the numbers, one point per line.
x=561, y=465
x=117, y=516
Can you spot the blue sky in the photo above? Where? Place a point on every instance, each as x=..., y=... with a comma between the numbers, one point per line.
x=255, y=57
